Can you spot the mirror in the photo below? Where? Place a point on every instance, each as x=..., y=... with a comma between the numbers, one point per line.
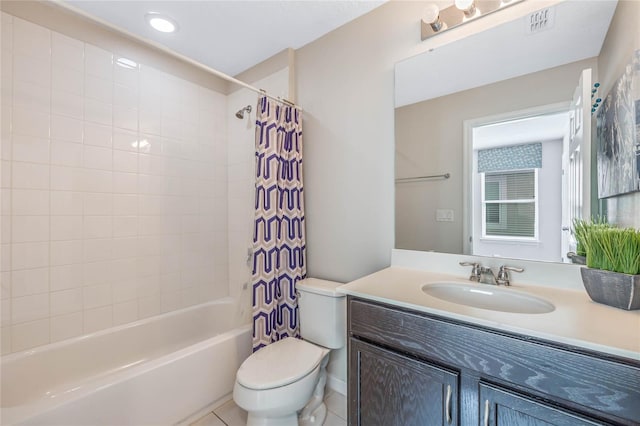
x=503, y=94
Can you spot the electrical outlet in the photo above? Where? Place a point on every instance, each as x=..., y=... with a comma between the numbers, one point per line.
x=444, y=215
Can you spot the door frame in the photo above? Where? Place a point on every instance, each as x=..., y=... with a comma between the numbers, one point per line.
x=467, y=157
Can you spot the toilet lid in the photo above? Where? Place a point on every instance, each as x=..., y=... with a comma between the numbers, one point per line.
x=279, y=364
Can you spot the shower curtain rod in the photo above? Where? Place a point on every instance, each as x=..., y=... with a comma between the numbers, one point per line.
x=173, y=53
x=247, y=85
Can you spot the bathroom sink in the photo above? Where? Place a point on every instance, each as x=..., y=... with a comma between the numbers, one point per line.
x=488, y=297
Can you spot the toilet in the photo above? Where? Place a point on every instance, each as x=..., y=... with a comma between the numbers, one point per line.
x=283, y=383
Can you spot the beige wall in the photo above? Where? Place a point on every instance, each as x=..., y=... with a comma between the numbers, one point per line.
x=255, y=75
x=345, y=84
x=344, y=81
x=429, y=140
x=622, y=40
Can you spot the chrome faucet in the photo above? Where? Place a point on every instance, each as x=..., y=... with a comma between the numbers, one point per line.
x=485, y=275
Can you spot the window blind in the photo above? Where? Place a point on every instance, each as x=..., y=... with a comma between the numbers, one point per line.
x=509, y=204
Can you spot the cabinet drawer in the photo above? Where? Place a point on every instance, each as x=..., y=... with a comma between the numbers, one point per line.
x=577, y=380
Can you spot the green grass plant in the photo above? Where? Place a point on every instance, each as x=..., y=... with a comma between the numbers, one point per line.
x=613, y=249
x=581, y=230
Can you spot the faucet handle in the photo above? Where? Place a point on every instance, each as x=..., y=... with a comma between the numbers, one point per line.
x=503, y=274
x=475, y=270
x=511, y=268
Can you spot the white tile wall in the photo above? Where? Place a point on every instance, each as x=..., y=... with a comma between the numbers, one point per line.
x=114, y=201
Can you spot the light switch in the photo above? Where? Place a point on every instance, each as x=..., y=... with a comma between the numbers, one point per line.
x=444, y=215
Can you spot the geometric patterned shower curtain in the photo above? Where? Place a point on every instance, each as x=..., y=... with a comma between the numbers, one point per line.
x=279, y=226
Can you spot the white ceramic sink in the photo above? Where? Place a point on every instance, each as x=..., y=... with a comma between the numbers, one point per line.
x=489, y=297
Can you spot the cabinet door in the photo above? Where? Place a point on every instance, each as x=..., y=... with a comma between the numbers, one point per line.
x=499, y=407
x=390, y=389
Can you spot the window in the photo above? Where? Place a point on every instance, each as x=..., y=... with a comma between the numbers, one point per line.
x=509, y=204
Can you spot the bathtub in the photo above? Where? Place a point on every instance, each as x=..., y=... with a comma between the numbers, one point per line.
x=157, y=371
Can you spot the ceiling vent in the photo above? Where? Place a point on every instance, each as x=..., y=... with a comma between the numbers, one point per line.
x=540, y=20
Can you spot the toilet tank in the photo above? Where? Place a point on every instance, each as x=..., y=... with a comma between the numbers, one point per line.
x=323, y=312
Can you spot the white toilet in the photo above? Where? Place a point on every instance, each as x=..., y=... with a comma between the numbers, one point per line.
x=282, y=384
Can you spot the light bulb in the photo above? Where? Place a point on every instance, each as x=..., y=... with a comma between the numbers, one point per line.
x=431, y=16
x=430, y=13
x=467, y=6
x=464, y=4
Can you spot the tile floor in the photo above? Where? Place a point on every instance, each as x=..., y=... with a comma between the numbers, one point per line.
x=230, y=414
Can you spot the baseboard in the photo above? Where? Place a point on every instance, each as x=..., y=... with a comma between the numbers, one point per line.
x=337, y=384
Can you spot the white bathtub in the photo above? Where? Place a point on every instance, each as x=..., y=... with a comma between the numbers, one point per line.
x=157, y=371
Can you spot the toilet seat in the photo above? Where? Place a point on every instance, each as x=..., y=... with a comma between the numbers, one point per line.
x=280, y=364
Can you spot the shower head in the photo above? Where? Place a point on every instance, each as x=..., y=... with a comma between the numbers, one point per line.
x=240, y=114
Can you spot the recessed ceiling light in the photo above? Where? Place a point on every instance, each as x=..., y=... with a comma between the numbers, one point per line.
x=161, y=23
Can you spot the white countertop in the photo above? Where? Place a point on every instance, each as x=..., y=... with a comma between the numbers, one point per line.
x=576, y=321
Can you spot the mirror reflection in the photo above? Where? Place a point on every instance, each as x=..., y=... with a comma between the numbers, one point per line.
x=516, y=178
x=512, y=132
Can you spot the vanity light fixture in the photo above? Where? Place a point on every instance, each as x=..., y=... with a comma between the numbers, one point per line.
x=435, y=21
x=161, y=23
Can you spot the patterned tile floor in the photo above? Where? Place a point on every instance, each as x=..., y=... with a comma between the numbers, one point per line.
x=229, y=414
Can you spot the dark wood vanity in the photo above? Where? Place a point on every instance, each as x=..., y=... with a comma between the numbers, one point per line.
x=412, y=368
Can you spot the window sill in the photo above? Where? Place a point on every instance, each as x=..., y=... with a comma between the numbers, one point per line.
x=529, y=242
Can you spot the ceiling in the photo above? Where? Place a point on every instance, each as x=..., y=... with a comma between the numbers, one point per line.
x=531, y=129
x=230, y=36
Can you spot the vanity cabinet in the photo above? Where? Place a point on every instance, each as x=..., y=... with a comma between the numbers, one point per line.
x=412, y=368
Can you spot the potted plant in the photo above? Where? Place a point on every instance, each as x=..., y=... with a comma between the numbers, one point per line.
x=612, y=275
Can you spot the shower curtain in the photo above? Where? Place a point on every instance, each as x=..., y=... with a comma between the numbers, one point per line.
x=279, y=227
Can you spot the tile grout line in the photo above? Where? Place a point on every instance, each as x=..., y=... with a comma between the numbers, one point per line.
x=325, y=401
x=219, y=418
